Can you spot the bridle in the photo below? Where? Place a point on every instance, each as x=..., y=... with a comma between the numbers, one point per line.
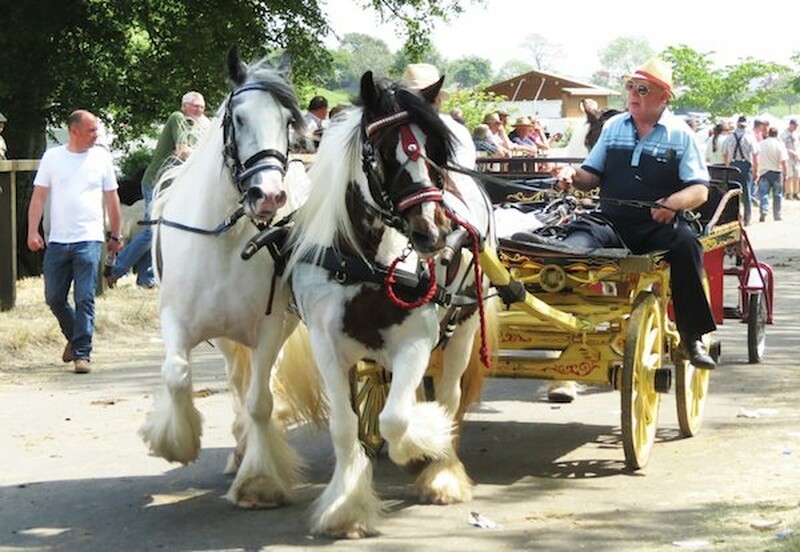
x=259, y=161
x=391, y=206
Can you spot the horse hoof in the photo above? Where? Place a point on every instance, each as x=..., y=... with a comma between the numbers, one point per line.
x=258, y=494
x=350, y=531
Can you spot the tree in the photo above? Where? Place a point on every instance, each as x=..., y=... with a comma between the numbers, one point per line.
x=358, y=53
x=131, y=60
x=467, y=72
x=542, y=51
x=741, y=88
x=620, y=57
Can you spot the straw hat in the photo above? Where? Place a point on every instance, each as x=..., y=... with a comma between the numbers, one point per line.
x=522, y=121
x=421, y=75
x=656, y=71
x=491, y=119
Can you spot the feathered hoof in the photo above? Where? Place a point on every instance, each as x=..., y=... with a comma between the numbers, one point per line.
x=416, y=466
x=354, y=530
x=233, y=463
x=258, y=493
x=444, y=483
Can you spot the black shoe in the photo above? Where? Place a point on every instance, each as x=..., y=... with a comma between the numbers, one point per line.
x=762, y=217
x=698, y=355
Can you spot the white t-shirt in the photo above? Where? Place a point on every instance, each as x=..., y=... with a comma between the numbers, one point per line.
x=76, y=182
x=464, y=153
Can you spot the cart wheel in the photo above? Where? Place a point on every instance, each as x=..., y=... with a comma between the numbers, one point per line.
x=756, y=328
x=369, y=387
x=644, y=347
x=691, y=390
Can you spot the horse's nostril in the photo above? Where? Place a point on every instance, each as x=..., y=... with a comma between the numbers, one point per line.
x=254, y=193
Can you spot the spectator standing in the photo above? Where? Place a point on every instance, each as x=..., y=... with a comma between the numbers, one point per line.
x=316, y=119
x=179, y=135
x=78, y=178
x=790, y=139
x=772, y=159
x=3, y=147
x=740, y=150
x=713, y=148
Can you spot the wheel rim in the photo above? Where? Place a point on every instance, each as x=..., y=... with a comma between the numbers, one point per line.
x=369, y=390
x=691, y=391
x=644, y=348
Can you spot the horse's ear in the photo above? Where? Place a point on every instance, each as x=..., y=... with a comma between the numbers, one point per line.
x=591, y=109
x=369, y=92
x=236, y=69
x=431, y=92
x=285, y=63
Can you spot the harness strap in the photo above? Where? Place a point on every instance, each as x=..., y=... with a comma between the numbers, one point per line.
x=223, y=227
x=355, y=270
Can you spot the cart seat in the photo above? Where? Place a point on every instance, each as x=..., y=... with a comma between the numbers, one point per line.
x=532, y=244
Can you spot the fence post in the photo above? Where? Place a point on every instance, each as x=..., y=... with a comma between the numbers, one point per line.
x=8, y=236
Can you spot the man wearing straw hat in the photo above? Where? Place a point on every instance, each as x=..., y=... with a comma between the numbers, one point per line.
x=648, y=154
x=418, y=76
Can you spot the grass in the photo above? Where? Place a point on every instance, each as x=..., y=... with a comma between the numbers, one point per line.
x=126, y=327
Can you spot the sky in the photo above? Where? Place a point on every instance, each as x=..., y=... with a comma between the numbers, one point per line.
x=497, y=30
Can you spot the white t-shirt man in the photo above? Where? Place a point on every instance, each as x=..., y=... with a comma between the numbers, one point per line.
x=77, y=182
x=464, y=148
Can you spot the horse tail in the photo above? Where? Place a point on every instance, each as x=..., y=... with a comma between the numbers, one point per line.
x=296, y=383
x=476, y=372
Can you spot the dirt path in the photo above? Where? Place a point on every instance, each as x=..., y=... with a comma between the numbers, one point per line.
x=74, y=475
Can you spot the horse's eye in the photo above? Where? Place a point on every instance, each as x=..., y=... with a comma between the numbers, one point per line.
x=239, y=120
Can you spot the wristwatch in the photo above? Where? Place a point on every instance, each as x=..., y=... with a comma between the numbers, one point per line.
x=116, y=238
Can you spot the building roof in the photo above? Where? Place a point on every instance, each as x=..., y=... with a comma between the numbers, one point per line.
x=540, y=85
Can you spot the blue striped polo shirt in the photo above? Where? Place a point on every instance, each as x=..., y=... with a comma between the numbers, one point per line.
x=668, y=159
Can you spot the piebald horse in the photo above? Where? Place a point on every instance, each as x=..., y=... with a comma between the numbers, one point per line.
x=380, y=200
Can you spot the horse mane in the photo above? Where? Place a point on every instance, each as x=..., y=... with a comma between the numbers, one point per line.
x=325, y=218
x=276, y=82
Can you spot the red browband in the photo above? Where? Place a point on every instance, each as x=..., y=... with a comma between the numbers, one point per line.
x=428, y=194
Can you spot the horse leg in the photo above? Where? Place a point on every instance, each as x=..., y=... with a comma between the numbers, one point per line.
x=270, y=468
x=173, y=428
x=238, y=370
x=348, y=507
x=414, y=431
x=444, y=479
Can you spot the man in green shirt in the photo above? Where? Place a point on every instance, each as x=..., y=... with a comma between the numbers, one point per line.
x=174, y=145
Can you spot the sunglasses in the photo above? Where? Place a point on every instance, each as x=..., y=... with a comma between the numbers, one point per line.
x=641, y=89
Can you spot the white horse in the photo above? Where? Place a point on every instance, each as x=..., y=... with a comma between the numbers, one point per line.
x=208, y=291
x=380, y=167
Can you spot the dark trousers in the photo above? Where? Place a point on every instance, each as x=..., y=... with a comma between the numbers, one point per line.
x=693, y=315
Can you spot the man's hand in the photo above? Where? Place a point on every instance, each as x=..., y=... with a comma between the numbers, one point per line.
x=115, y=246
x=35, y=241
x=664, y=216
x=565, y=176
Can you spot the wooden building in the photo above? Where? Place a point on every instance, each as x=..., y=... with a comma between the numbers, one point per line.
x=539, y=85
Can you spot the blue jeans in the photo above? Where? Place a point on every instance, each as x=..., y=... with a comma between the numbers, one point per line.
x=770, y=181
x=65, y=263
x=137, y=252
x=747, y=185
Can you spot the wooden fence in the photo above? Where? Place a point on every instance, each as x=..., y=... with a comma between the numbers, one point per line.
x=8, y=227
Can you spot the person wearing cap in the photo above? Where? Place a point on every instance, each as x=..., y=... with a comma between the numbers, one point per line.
x=499, y=137
x=649, y=154
x=772, y=157
x=523, y=137
x=179, y=135
x=790, y=139
x=740, y=150
x=3, y=148
x=419, y=76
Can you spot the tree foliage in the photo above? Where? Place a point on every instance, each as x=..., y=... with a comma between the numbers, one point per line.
x=130, y=61
x=542, y=52
x=620, y=57
x=468, y=72
x=745, y=87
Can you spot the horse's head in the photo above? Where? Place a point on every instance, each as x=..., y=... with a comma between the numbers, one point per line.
x=258, y=113
x=405, y=147
x=595, y=118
